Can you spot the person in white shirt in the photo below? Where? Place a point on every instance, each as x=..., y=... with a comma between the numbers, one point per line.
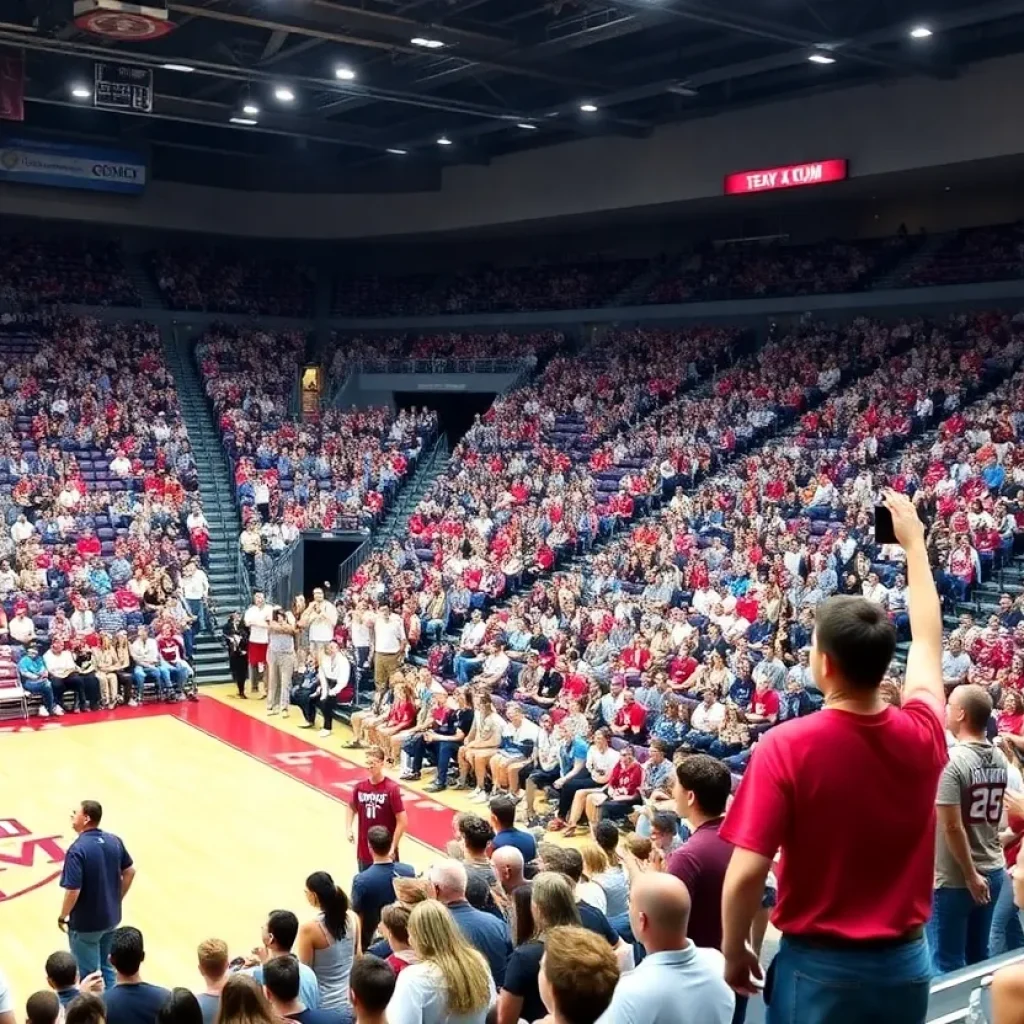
x=601, y=759
x=874, y=590
x=447, y=964
x=257, y=619
x=261, y=495
x=388, y=644
x=196, y=519
x=21, y=529
x=120, y=466
x=518, y=745
x=706, y=720
x=148, y=665
x=319, y=618
x=495, y=666
x=360, y=627
x=677, y=982
x=21, y=628
x=335, y=675
x=8, y=579
x=195, y=589
x=83, y=622
x=469, y=661
x=63, y=674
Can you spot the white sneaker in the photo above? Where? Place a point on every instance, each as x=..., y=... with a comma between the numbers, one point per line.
x=284, y=712
x=58, y=710
x=479, y=796
x=42, y=712
x=271, y=711
x=133, y=703
x=324, y=733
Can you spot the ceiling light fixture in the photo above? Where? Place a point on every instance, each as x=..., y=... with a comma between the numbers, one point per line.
x=250, y=109
x=185, y=69
x=346, y=74
x=247, y=121
x=588, y=108
x=920, y=32
x=527, y=126
x=444, y=141
x=81, y=92
x=284, y=94
x=427, y=44
x=821, y=58
x=397, y=152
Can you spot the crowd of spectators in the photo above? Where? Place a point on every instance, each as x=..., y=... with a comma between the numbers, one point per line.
x=42, y=271
x=580, y=285
x=994, y=253
x=337, y=470
x=761, y=270
x=101, y=534
x=216, y=280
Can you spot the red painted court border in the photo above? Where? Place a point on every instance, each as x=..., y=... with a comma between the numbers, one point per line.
x=331, y=774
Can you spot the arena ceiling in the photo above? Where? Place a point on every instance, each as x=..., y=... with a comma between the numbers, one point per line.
x=377, y=83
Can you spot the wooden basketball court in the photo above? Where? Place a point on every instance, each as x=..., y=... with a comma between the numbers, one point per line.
x=224, y=811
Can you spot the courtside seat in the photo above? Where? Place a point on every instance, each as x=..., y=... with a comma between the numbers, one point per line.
x=13, y=698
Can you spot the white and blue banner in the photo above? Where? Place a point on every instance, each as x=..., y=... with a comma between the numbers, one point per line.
x=63, y=165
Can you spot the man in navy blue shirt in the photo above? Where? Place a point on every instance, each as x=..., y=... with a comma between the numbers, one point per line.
x=374, y=888
x=484, y=932
x=98, y=873
x=131, y=1000
x=503, y=821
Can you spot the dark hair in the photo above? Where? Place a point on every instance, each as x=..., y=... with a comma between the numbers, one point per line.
x=42, y=1007
x=504, y=810
x=281, y=978
x=378, y=839
x=372, y=983
x=332, y=901
x=92, y=810
x=86, y=1009
x=61, y=969
x=857, y=637
x=284, y=926
x=476, y=832
x=566, y=860
x=181, y=1007
x=665, y=822
x=126, y=950
x=606, y=835
x=522, y=914
x=478, y=893
x=977, y=705
x=708, y=779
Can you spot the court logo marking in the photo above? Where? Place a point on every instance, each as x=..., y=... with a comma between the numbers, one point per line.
x=20, y=850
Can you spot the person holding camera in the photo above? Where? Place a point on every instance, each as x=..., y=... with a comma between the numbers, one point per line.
x=280, y=661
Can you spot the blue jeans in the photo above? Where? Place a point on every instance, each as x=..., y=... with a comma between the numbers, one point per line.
x=831, y=986
x=157, y=673
x=1007, y=934
x=466, y=668
x=959, y=929
x=43, y=688
x=197, y=607
x=91, y=951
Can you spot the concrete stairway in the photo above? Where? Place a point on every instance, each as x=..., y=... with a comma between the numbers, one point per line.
x=217, y=493
x=919, y=256
x=138, y=270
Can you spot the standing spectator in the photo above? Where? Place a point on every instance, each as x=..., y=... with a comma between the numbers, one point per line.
x=131, y=1000
x=376, y=800
x=43, y=1008
x=97, y=875
x=280, y=661
x=257, y=619
x=236, y=635
x=62, y=975
x=503, y=821
x=388, y=644
x=578, y=975
x=319, y=618
x=374, y=888
x=372, y=986
x=864, y=917
x=969, y=854
x=677, y=980
x=212, y=955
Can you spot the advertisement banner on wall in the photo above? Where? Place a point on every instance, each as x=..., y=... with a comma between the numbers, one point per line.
x=61, y=165
x=817, y=172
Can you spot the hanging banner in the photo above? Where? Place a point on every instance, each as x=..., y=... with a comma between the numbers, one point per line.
x=12, y=88
x=817, y=172
x=122, y=87
x=34, y=162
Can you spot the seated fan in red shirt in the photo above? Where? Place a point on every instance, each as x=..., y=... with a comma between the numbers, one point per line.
x=848, y=796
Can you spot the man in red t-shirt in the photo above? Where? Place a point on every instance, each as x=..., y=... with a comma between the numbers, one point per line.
x=375, y=801
x=848, y=796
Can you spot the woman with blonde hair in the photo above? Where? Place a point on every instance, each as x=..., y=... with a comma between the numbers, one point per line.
x=553, y=903
x=451, y=984
x=595, y=863
x=106, y=671
x=242, y=1001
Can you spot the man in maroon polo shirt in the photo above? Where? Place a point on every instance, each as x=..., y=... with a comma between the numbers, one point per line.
x=848, y=796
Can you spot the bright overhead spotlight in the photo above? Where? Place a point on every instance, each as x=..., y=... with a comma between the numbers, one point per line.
x=920, y=32
x=284, y=94
x=250, y=109
x=588, y=108
x=427, y=44
x=247, y=121
x=346, y=74
x=81, y=92
x=395, y=151
x=444, y=141
x=185, y=69
x=821, y=58
x=526, y=126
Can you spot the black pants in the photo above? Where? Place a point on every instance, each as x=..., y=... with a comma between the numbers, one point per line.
x=239, y=671
x=125, y=683
x=616, y=810
x=326, y=706
x=569, y=790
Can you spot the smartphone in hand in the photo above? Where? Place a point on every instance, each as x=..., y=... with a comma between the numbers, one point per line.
x=885, y=533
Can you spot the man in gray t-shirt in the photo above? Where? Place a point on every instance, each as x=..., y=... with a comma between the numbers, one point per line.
x=969, y=866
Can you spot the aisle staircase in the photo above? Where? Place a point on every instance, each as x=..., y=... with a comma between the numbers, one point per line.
x=138, y=271
x=217, y=494
x=920, y=255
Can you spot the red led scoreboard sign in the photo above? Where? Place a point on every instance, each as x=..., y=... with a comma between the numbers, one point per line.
x=791, y=176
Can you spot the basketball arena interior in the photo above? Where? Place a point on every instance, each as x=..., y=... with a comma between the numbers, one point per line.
x=505, y=388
